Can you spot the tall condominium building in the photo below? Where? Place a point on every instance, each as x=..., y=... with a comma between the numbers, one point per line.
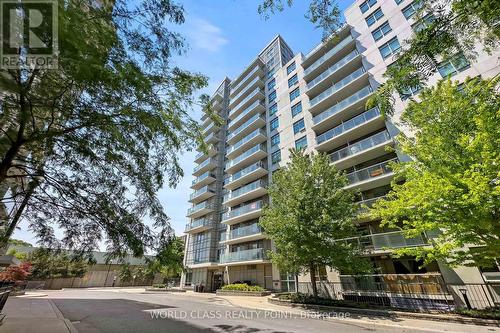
x=315, y=102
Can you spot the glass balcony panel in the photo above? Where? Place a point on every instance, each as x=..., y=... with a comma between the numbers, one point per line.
x=395, y=240
x=333, y=68
x=245, y=90
x=328, y=55
x=348, y=125
x=370, y=172
x=204, y=164
x=198, y=223
x=245, y=140
x=245, y=231
x=244, y=172
x=241, y=157
x=360, y=146
x=202, y=177
x=245, y=112
x=201, y=191
x=246, y=255
x=244, y=189
x=342, y=104
x=249, y=97
x=200, y=206
x=337, y=86
x=252, y=72
x=243, y=210
x=243, y=126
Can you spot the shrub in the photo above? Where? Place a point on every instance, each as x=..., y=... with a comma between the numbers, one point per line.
x=488, y=313
x=242, y=287
x=159, y=285
x=308, y=299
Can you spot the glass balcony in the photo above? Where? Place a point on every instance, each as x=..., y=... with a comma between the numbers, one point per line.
x=337, y=86
x=245, y=90
x=328, y=55
x=211, y=138
x=386, y=241
x=348, y=125
x=332, y=69
x=199, y=223
x=201, y=191
x=202, y=177
x=367, y=204
x=250, y=137
x=373, y=171
x=245, y=112
x=249, y=75
x=252, y=119
x=244, y=189
x=207, y=163
x=245, y=155
x=342, y=104
x=205, y=205
x=251, y=207
x=235, y=109
x=244, y=172
x=246, y=255
x=245, y=231
x=360, y=146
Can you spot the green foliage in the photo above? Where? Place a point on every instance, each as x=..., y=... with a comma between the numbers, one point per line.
x=242, y=287
x=159, y=285
x=89, y=144
x=48, y=264
x=19, y=255
x=169, y=260
x=452, y=184
x=308, y=299
x=324, y=14
x=488, y=313
x=461, y=29
x=310, y=210
x=126, y=274
x=18, y=242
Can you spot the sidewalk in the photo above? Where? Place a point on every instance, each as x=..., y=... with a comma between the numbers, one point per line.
x=31, y=312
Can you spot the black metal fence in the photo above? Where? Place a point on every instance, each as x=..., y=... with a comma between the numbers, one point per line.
x=5, y=289
x=421, y=296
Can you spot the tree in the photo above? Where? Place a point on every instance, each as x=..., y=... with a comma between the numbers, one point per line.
x=16, y=273
x=86, y=146
x=47, y=264
x=452, y=183
x=169, y=261
x=18, y=242
x=309, y=211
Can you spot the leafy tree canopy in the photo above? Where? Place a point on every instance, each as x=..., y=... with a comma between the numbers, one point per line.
x=85, y=147
x=46, y=264
x=452, y=184
x=310, y=210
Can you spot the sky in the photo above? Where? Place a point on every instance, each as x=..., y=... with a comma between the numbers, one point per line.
x=224, y=36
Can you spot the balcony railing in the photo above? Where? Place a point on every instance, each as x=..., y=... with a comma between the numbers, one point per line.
x=244, y=91
x=243, y=210
x=244, y=172
x=237, y=107
x=245, y=112
x=336, y=66
x=201, y=191
x=252, y=72
x=348, y=125
x=202, y=177
x=246, y=255
x=360, y=146
x=243, y=126
x=245, y=140
x=328, y=55
x=198, y=223
x=245, y=189
x=200, y=206
x=204, y=164
x=373, y=171
x=252, y=229
x=337, y=86
x=343, y=104
x=386, y=240
x=367, y=204
x=246, y=154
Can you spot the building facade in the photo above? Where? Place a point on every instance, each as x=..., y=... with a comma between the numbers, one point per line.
x=315, y=102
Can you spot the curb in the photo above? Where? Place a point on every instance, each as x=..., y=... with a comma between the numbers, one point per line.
x=391, y=313
x=67, y=322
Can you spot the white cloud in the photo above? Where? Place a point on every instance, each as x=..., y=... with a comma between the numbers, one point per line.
x=206, y=36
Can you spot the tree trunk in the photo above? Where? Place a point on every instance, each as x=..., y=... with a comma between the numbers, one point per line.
x=312, y=274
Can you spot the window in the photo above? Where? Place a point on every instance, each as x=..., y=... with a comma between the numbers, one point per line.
x=292, y=81
x=367, y=5
x=301, y=143
x=275, y=139
x=273, y=109
x=453, y=65
x=290, y=68
x=272, y=96
x=389, y=48
x=423, y=23
x=398, y=1
x=274, y=124
x=298, y=126
x=296, y=109
x=374, y=17
x=294, y=94
x=381, y=31
x=411, y=9
x=271, y=84
x=276, y=157
x=271, y=72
